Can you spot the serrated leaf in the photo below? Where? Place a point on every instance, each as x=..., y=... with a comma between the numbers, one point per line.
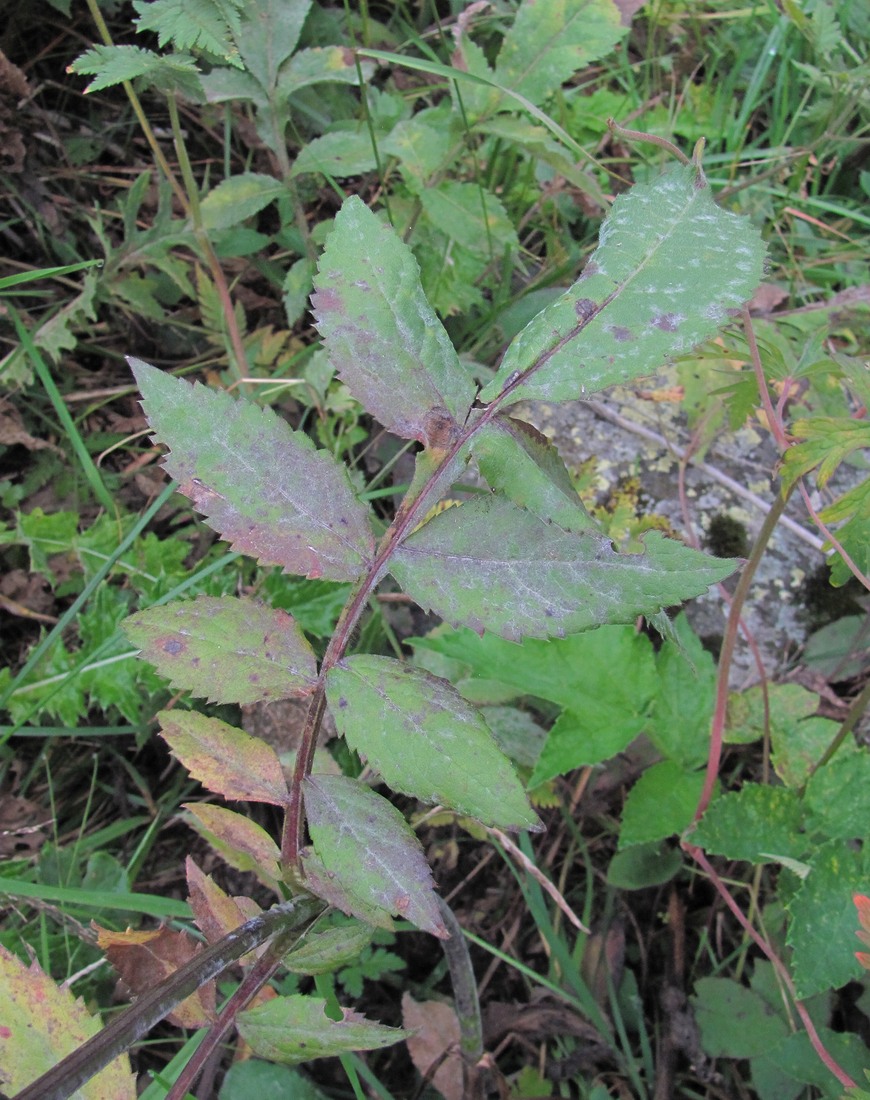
x=325, y=885
x=238, y=840
x=382, y=335
x=368, y=846
x=838, y=795
x=821, y=930
x=551, y=39
x=265, y=488
x=208, y=25
x=115, y=64
x=472, y=216
x=756, y=823
x=225, y=649
x=340, y=153
x=683, y=709
x=41, y=1023
x=825, y=442
x=425, y=740
x=324, y=952
x=735, y=1022
x=492, y=566
x=518, y=461
x=239, y=197
x=295, y=1029
x=670, y=269
x=661, y=804
x=224, y=759
x=215, y=912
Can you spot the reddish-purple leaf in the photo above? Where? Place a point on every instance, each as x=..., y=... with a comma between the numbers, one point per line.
x=240, y=841
x=382, y=336
x=225, y=649
x=368, y=846
x=225, y=759
x=264, y=488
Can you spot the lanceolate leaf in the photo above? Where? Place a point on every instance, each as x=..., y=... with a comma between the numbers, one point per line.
x=551, y=39
x=382, y=335
x=225, y=649
x=296, y=1029
x=492, y=566
x=238, y=840
x=520, y=462
x=368, y=846
x=263, y=487
x=425, y=740
x=670, y=268
x=227, y=760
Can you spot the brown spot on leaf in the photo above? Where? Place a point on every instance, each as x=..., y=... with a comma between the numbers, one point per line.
x=667, y=322
x=585, y=309
x=621, y=333
x=172, y=647
x=439, y=429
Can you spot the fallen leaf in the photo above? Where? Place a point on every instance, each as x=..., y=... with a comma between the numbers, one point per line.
x=435, y=1043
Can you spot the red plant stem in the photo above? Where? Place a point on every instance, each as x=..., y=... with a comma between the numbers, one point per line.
x=855, y=571
x=726, y=656
x=779, y=965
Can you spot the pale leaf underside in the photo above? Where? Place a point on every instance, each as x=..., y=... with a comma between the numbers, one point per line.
x=492, y=566
x=425, y=740
x=264, y=488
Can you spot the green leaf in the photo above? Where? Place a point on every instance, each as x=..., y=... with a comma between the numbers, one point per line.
x=425, y=740
x=838, y=795
x=785, y=1070
x=683, y=709
x=735, y=1022
x=341, y=153
x=643, y=865
x=267, y=1081
x=518, y=461
x=670, y=268
x=269, y=35
x=827, y=441
x=821, y=929
x=756, y=823
x=551, y=39
x=239, y=197
x=382, y=335
x=319, y=65
x=366, y=844
x=296, y=1029
x=492, y=566
x=208, y=25
x=265, y=488
x=225, y=649
x=324, y=952
x=115, y=64
x=224, y=759
x=660, y=804
x=471, y=215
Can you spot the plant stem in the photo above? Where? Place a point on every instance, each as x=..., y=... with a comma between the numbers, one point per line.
x=62, y=1080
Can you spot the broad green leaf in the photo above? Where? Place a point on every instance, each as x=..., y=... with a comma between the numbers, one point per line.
x=341, y=153
x=471, y=215
x=735, y=1022
x=821, y=930
x=492, y=566
x=838, y=795
x=644, y=865
x=324, y=952
x=207, y=25
x=789, y=704
x=238, y=840
x=516, y=733
x=114, y=64
x=518, y=461
x=683, y=709
x=382, y=335
x=269, y=35
x=551, y=39
x=670, y=268
x=589, y=736
x=783, y=1071
x=239, y=197
x=265, y=488
x=661, y=804
x=225, y=649
x=366, y=844
x=295, y=1029
x=325, y=885
x=825, y=442
x=420, y=145
x=756, y=823
x=319, y=65
x=224, y=759
x=41, y=1023
x=425, y=740
x=268, y=1081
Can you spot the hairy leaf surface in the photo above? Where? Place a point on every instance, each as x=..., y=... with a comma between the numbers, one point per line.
x=263, y=487
x=492, y=566
x=383, y=337
x=225, y=649
x=296, y=1029
x=368, y=846
x=521, y=463
x=670, y=268
x=425, y=740
x=224, y=759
